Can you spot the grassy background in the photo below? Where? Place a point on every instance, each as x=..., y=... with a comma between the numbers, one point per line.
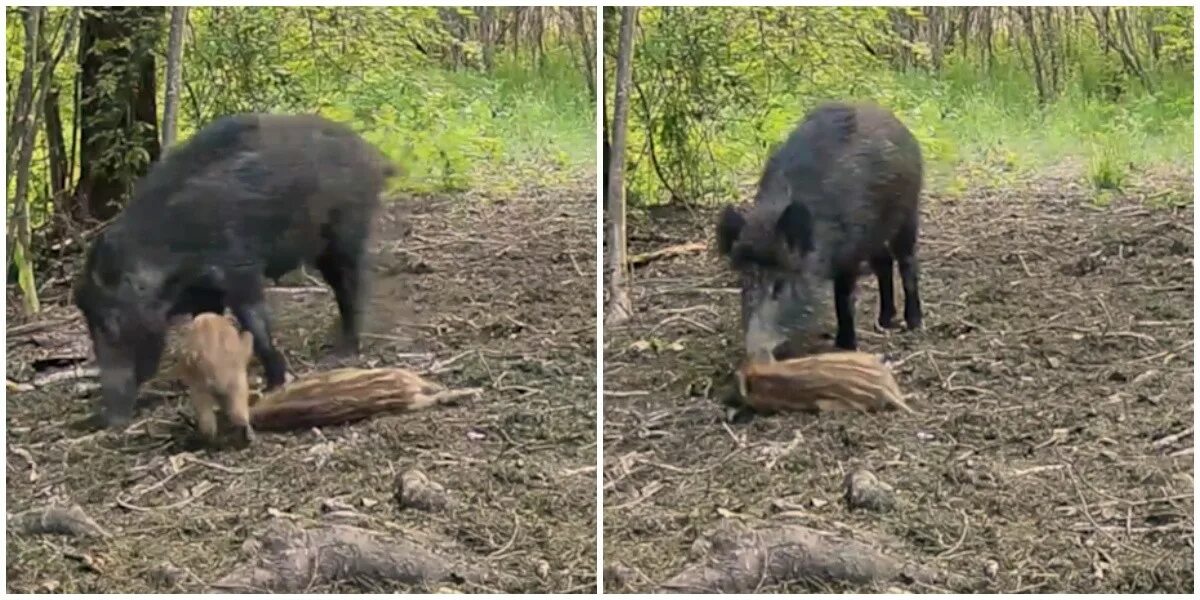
x=723, y=86
x=463, y=130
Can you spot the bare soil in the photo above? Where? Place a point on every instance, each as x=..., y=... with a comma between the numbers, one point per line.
x=1052, y=447
x=471, y=291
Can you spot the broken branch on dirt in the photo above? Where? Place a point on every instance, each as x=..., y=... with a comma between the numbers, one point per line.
x=742, y=560
x=289, y=559
x=57, y=519
x=645, y=258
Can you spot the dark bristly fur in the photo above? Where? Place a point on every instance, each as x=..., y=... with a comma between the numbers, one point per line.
x=842, y=191
x=248, y=196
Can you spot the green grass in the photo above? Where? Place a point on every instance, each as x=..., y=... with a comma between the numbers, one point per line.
x=971, y=123
x=466, y=130
x=977, y=129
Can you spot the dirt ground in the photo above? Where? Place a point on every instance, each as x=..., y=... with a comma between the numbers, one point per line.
x=1052, y=450
x=473, y=291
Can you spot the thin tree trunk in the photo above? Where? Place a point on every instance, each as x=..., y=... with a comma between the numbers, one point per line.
x=518, y=12
x=987, y=37
x=1128, y=58
x=965, y=29
x=48, y=95
x=174, y=76
x=56, y=147
x=620, y=308
x=1039, y=79
x=588, y=53
x=934, y=34
x=22, y=110
x=1129, y=48
x=27, y=132
x=487, y=27
x=539, y=30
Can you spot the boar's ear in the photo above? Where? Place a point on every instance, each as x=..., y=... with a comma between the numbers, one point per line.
x=729, y=226
x=795, y=225
x=247, y=340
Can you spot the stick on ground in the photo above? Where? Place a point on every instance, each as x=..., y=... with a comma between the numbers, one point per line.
x=57, y=519
x=645, y=258
x=289, y=559
x=742, y=561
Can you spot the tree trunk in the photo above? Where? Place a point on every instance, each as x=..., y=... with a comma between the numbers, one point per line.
x=1123, y=50
x=56, y=147
x=934, y=36
x=518, y=12
x=539, y=31
x=174, y=76
x=21, y=252
x=118, y=135
x=1026, y=14
x=1050, y=35
x=20, y=123
x=620, y=308
x=987, y=37
x=588, y=49
x=1129, y=48
x=487, y=27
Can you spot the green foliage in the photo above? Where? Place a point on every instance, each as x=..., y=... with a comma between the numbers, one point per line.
x=1105, y=170
x=410, y=79
x=717, y=88
x=383, y=71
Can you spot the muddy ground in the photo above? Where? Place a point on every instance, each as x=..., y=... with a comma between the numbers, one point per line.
x=472, y=290
x=1052, y=450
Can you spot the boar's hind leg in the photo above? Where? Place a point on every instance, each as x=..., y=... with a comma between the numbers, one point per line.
x=904, y=247
x=344, y=270
x=245, y=298
x=882, y=264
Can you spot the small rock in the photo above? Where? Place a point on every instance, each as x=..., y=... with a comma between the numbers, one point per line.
x=251, y=546
x=991, y=568
x=617, y=575
x=166, y=575
x=415, y=490
x=369, y=502
x=542, y=569
x=864, y=490
x=329, y=505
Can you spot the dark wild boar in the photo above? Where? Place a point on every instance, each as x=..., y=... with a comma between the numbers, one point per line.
x=843, y=190
x=248, y=197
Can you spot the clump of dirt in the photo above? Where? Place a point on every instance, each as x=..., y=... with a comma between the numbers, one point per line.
x=1052, y=447
x=471, y=291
